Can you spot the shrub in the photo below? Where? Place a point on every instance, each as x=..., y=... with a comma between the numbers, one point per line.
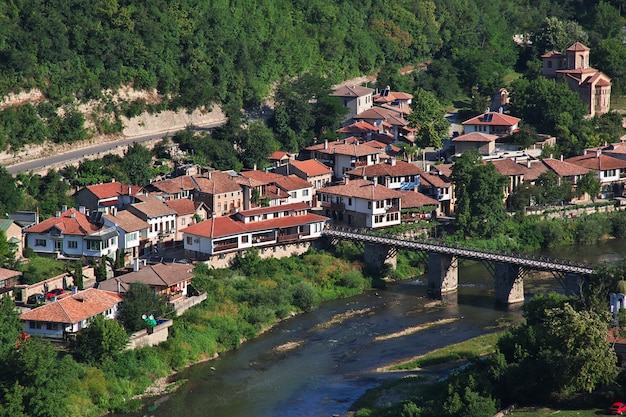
x=304, y=296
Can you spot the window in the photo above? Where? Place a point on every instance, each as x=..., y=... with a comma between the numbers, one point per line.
x=305, y=193
x=369, y=204
x=171, y=224
x=349, y=201
x=244, y=239
x=57, y=245
x=40, y=242
x=189, y=240
x=52, y=326
x=35, y=325
x=294, y=194
x=93, y=245
x=183, y=221
x=72, y=244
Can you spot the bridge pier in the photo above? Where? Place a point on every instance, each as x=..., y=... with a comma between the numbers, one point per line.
x=378, y=255
x=443, y=273
x=509, y=283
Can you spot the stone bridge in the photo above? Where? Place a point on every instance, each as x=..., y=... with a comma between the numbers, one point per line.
x=507, y=269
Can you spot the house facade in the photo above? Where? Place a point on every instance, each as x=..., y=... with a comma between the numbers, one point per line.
x=484, y=143
x=393, y=174
x=266, y=228
x=71, y=234
x=133, y=232
x=344, y=155
x=187, y=212
x=610, y=171
x=361, y=203
x=219, y=192
x=355, y=98
x=161, y=220
x=102, y=197
x=63, y=318
x=492, y=123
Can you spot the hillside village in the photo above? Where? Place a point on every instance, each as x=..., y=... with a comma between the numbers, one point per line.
x=364, y=180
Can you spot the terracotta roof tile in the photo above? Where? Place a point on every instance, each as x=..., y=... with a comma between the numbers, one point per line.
x=434, y=180
x=71, y=222
x=75, y=308
x=564, y=168
x=275, y=209
x=113, y=189
x=597, y=162
x=362, y=189
x=377, y=170
x=507, y=166
x=8, y=273
x=175, y=185
x=159, y=275
x=475, y=137
x=127, y=221
x=312, y=167
x=182, y=206
x=152, y=207
x=351, y=91
x=292, y=183
x=492, y=119
x=217, y=183
x=412, y=199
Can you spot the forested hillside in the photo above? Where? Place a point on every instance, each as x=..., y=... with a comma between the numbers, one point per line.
x=200, y=52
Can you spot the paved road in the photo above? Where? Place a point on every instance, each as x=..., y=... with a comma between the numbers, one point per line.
x=42, y=164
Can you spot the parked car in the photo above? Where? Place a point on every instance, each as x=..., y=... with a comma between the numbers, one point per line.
x=618, y=408
x=36, y=299
x=54, y=293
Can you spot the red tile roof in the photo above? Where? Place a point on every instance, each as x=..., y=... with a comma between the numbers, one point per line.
x=182, y=206
x=351, y=91
x=175, y=185
x=278, y=155
x=74, y=309
x=113, y=189
x=492, y=119
x=507, y=166
x=597, y=162
x=8, y=273
x=159, y=275
x=127, y=221
x=153, y=207
x=413, y=199
x=578, y=47
x=358, y=127
x=312, y=167
x=362, y=189
x=292, y=183
x=563, y=168
x=226, y=226
x=217, y=183
x=475, y=137
x=388, y=170
x=71, y=222
x=263, y=177
x=434, y=180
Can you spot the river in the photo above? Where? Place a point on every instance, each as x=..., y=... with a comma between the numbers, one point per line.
x=309, y=367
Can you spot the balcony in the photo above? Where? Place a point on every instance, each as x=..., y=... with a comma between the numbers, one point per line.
x=392, y=209
x=223, y=247
x=288, y=238
x=334, y=206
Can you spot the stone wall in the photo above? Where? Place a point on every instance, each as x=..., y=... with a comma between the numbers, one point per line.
x=150, y=337
x=279, y=251
x=572, y=213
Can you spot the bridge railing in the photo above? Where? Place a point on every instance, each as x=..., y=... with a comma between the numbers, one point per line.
x=455, y=246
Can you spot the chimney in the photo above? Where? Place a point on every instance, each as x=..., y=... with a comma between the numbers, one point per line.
x=112, y=179
x=73, y=215
x=528, y=164
x=254, y=167
x=58, y=214
x=561, y=157
x=325, y=143
x=551, y=156
x=81, y=209
x=346, y=180
x=135, y=266
x=63, y=209
x=598, y=152
x=393, y=162
x=119, y=286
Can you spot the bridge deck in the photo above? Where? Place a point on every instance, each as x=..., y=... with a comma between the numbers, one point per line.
x=528, y=261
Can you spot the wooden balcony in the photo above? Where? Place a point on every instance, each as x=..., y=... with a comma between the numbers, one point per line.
x=288, y=238
x=220, y=248
x=392, y=209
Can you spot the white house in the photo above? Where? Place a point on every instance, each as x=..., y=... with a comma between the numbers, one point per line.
x=492, y=123
x=264, y=227
x=132, y=231
x=397, y=175
x=361, y=203
x=160, y=217
x=610, y=170
x=70, y=314
x=71, y=234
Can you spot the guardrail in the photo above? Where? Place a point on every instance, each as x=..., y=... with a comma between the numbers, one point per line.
x=530, y=261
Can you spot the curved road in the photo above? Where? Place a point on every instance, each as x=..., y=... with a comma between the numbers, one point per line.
x=41, y=164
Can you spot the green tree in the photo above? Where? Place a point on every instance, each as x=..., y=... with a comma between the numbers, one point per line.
x=137, y=164
x=559, y=350
x=10, y=327
x=556, y=35
x=140, y=300
x=428, y=117
x=100, y=269
x=480, y=192
x=102, y=338
x=589, y=184
x=77, y=274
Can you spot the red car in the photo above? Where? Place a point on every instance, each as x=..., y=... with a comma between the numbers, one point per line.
x=54, y=293
x=618, y=408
